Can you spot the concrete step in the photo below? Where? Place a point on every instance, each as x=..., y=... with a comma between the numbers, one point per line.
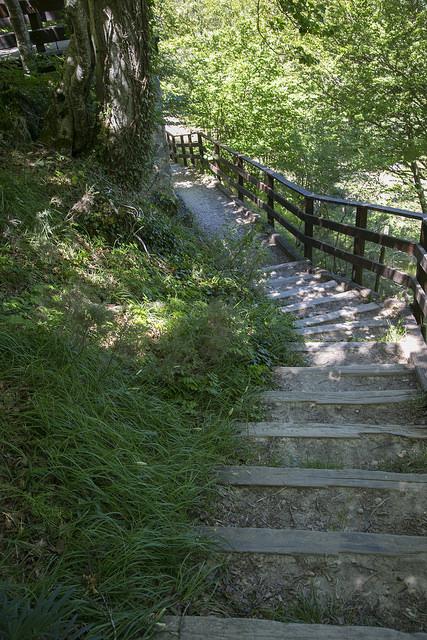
x=215, y=628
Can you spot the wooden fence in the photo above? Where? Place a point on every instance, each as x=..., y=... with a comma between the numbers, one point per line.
x=37, y=13
x=248, y=180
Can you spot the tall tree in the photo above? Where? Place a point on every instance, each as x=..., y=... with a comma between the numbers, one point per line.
x=371, y=66
x=107, y=95
x=22, y=36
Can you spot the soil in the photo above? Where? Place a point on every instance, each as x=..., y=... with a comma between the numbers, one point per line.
x=406, y=413
x=331, y=509
x=344, y=589
x=333, y=381
x=366, y=452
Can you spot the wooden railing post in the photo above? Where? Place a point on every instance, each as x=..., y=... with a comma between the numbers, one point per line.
x=359, y=243
x=171, y=146
x=174, y=149
x=240, y=180
x=308, y=228
x=421, y=278
x=217, y=154
x=183, y=150
x=386, y=231
x=201, y=148
x=270, y=197
x=192, y=157
x=36, y=23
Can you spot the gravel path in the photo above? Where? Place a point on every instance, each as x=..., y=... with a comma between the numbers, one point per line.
x=214, y=212
x=212, y=209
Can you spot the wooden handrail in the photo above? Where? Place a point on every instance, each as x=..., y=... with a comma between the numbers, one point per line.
x=404, y=213
x=266, y=182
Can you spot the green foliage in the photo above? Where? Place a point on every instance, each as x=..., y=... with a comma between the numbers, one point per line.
x=123, y=367
x=332, y=94
x=24, y=101
x=51, y=617
x=311, y=607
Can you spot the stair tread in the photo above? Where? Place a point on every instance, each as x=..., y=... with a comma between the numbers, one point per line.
x=349, y=312
x=281, y=280
x=351, y=370
x=307, y=542
x=215, y=628
x=259, y=476
x=343, y=326
x=286, y=265
x=340, y=345
x=327, y=430
x=343, y=397
x=303, y=290
x=314, y=302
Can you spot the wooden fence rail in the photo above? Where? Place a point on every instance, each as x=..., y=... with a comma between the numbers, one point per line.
x=36, y=12
x=248, y=180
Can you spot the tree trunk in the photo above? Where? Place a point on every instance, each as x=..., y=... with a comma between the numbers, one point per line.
x=111, y=51
x=124, y=45
x=419, y=185
x=22, y=36
x=74, y=110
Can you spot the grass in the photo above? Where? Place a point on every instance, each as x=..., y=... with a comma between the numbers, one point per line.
x=395, y=332
x=409, y=463
x=128, y=349
x=307, y=607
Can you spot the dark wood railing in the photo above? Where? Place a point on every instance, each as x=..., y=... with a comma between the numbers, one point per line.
x=36, y=13
x=248, y=180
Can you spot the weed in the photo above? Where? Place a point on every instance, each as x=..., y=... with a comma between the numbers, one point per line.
x=50, y=617
x=395, y=332
x=409, y=463
x=306, y=607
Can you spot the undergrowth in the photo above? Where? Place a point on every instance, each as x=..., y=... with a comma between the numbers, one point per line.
x=129, y=345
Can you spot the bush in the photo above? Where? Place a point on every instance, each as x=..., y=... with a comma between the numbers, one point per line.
x=24, y=101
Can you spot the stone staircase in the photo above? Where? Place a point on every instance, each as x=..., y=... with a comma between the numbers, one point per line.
x=323, y=529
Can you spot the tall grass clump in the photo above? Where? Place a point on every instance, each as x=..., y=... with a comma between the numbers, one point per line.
x=128, y=347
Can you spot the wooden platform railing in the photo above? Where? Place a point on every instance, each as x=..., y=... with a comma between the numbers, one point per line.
x=248, y=180
x=36, y=12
